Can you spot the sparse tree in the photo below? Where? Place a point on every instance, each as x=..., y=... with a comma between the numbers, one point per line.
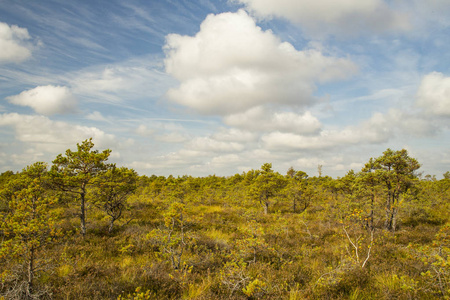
x=74, y=172
x=111, y=191
x=28, y=227
x=296, y=189
x=266, y=185
x=395, y=171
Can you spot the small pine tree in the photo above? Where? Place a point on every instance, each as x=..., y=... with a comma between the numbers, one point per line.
x=29, y=227
x=74, y=173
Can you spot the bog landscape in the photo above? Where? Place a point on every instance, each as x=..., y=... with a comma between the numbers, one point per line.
x=224, y=149
x=82, y=228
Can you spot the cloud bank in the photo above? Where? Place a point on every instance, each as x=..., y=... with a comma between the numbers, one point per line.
x=259, y=119
x=323, y=17
x=50, y=136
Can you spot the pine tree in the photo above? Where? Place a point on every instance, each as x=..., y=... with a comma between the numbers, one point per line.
x=29, y=227
x=76, y=171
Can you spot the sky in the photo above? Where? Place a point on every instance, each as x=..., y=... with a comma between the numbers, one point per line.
x=202, y=87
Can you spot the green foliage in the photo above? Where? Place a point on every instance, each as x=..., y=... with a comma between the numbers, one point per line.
x=298, y=190
x=234, y=276
x=28, y=228
x=172, y=238
x=436, y=261
x=111, y=190
x=395, y=172
x=255, y=288
x=266, y=184
x=137, y=295
x=74, y=172
x=204, y=238
x=5, y=193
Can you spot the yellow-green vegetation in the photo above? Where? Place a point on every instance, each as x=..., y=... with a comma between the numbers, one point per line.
x=381, y=233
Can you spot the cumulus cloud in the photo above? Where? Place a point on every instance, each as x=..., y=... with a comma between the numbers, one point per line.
x=51, y=136
x=413, y=123
x=235, y=135
x=13, y=44
x=261, y=119
x=379, y=129
x=322, y=17
x=225, y=160
x=433, y=94
x=96, y=116
x=175, y=160
x=47, y=100
x=171, y=137
x=375, y=130
x=208, y=144
x=232, y=65
x=167, y=132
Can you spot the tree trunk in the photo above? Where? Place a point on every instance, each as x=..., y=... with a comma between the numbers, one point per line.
x=388, y=222
x=393, y=219
x=391, y=211
x=83, y=210
x=30, y=273
x=111, y=224
x=372, y=204
x=266, y=207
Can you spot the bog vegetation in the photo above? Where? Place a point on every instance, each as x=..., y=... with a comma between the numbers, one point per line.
x=85, y=229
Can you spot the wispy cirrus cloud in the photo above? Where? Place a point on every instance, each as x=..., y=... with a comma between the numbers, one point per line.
x=136, y=78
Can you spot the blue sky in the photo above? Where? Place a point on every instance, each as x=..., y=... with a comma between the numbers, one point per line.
x=220, y=87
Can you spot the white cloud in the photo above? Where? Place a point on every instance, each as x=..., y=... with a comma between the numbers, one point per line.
x=232, y=65
x=235, y=135
x=413, y=123
x=46, y=100
x=96, y=116
x=167, y=132
x=144, y=131
x=260, y=119
x=53, y=136
x=208, y=144
x=179, y=159
x=25, y=158
x=376, y=130
x=322, y=17
x=433, y=94
x=108, y=80
x=379, y=129
x=171, y=137
x=13, y=45
x=225, y=160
